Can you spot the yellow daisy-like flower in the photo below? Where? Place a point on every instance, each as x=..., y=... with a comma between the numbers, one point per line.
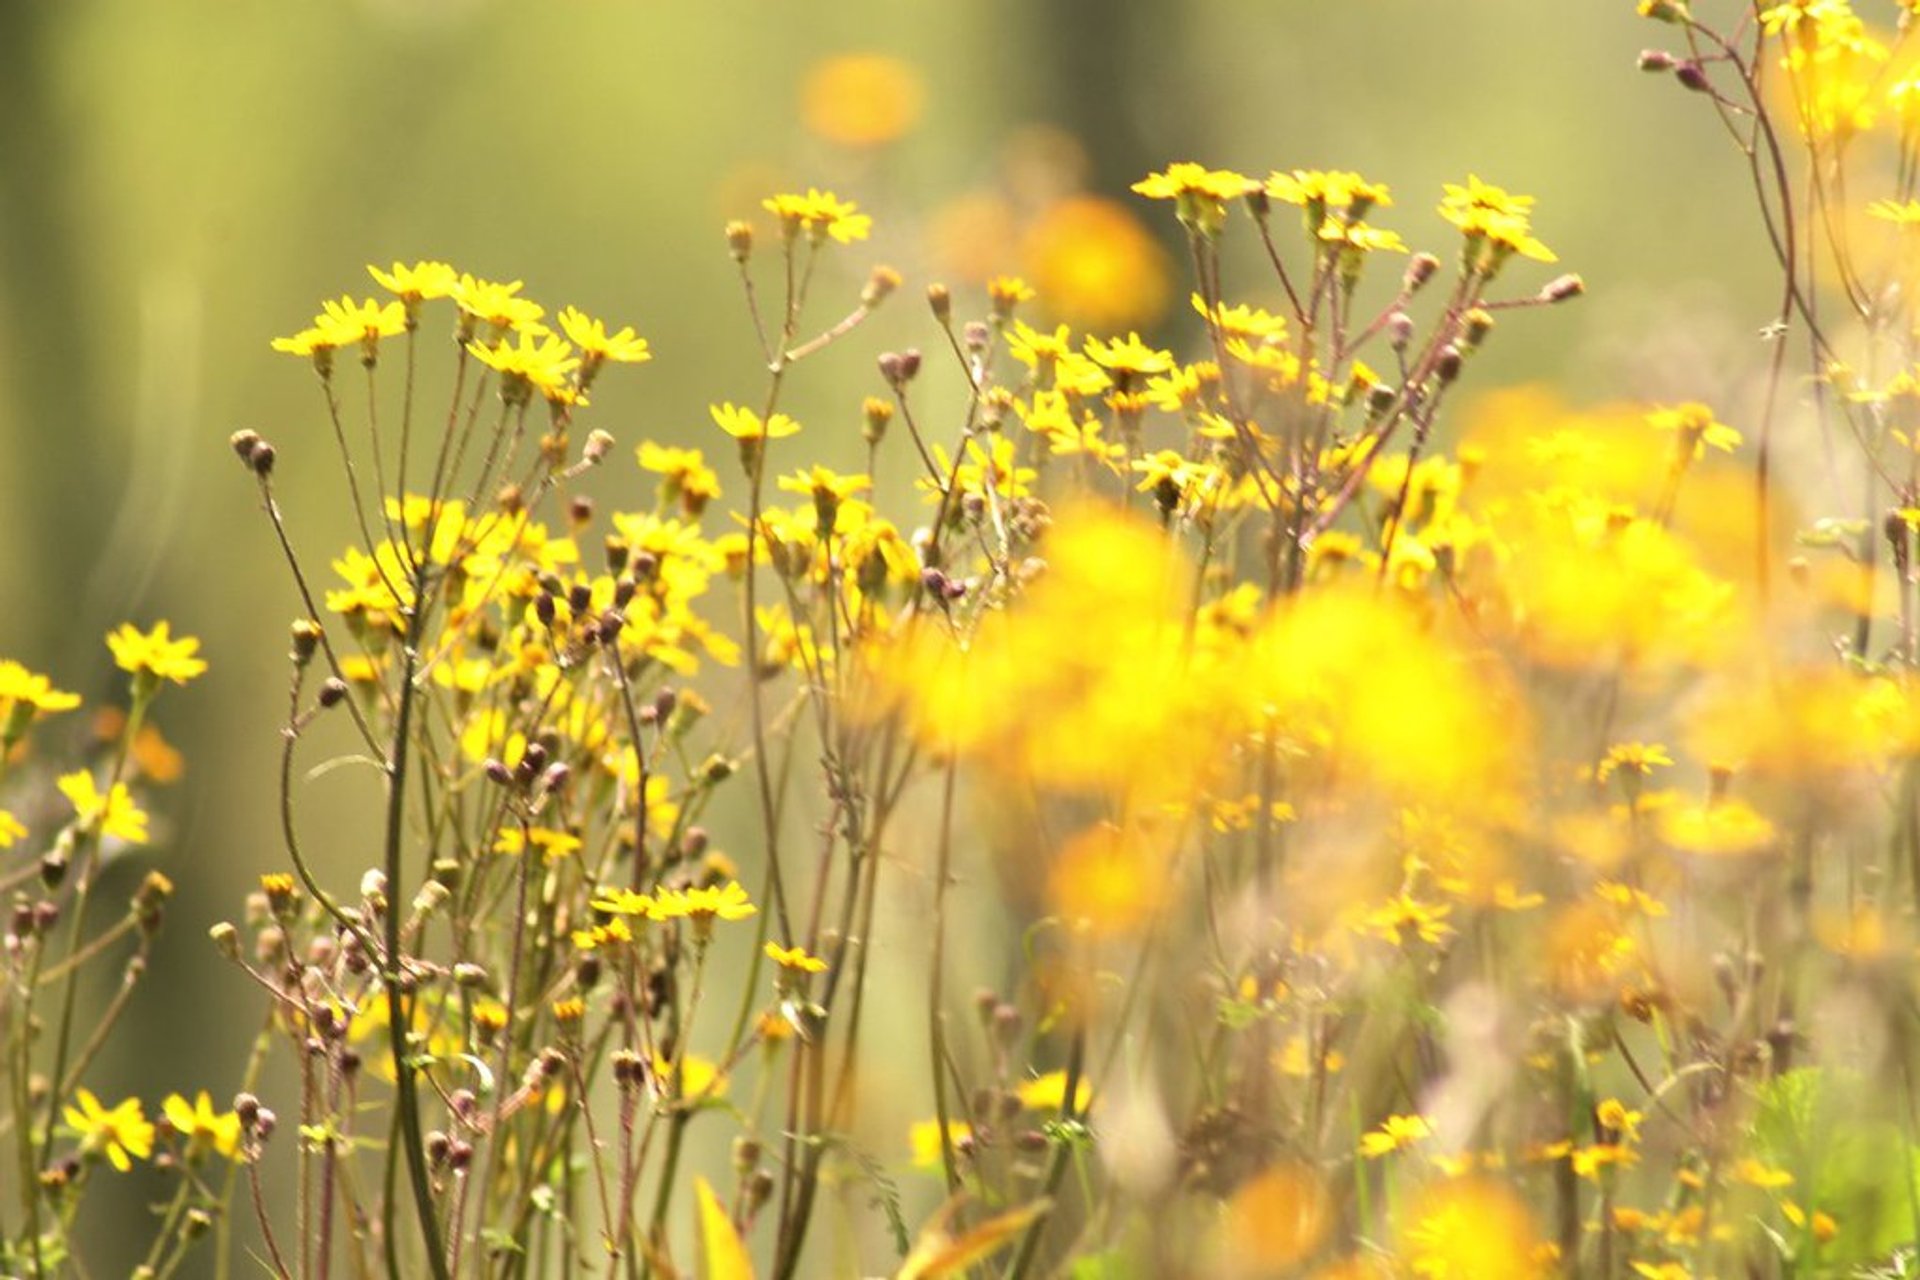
x=1496, y=217
x=201, y=1127
x=420, y=281
x=23, y=695
x=499, y=305
x=820, y=214
x=795, y=960
x=347, y=321
x=1394, y=1134
x=531, y=362
x=313, y=343
x=113, y=814
x=707, y=903
x=597, y=346
x=1048, y=1092
x=624, y=902
x=155, y=655
x=1695, y=429
x=1129, y=359
x=1636, y=760
x=745, y=425
x=1199, y=194
x=1320, y=190
x=122, y=1134
x=11, y=830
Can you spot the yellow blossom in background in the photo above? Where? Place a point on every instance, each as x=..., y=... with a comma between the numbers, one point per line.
x=923, y=1140
x=155, y=655
x=861, y=99
x=112, y=815
x=1394, y=1134
x=24, y=696
x=1049, y=1093
x=795, y=959
x=1094, y=265
x=201, y=1127
x=1277, y=1220
x=744, y=424
x=1694, y=429
x=122, y=1134
x=820, y=214
x=12, y=830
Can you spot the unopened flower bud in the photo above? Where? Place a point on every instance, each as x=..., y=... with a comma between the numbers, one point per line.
x=226, y=940
x=242, y=443
x=595, y=451
x=333, y=692
x=876, y=414
x=470, y=976
x=1561, y=288
x=740, y=240
x=1656, y=60
x=260, y=459
x=1693, y=76
x=1446, y=365
x=1420, y=269
x=498, y=773
x=306, y=639
x=882, y=282
x=940, y=302
x=1399, y=330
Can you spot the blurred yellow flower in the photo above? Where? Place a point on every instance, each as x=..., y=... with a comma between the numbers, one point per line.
x=1094, y=265
x=122, y=1134
x=114, y=814
x=201, y=1127
x=861, y=99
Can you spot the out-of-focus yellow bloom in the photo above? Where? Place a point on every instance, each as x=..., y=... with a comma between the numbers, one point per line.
x=820, y=214
x=1394, y=1134
x=1471, y=1229
x=113, y=815
x=1094, y=264
x=923, y=1139
x=1049, y=1092
x=201, y=1127
x=122, y=1134
x=1277, y=1220
x=861, y=99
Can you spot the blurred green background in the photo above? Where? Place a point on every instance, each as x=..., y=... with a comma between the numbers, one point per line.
x=185, y=181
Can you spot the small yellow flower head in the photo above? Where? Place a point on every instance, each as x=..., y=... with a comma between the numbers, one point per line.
x=1006, y=293
x=112, y=815
x=416, y=284
x=1199, y=194
x=796, y=966
x=820, y=214
x=1695, y=430
x=1395, y=1134
x=1496, y=225
x=316, y=344
x=121, y=1134
x=12, y=830
x=23, y=695
x=497, y=305
x=1633, y=761
x=347, y=321
x=745, y=426
x=828, y=490
x=154, y=656
x=597, y=346
x=201, y=1127
x=532, y=362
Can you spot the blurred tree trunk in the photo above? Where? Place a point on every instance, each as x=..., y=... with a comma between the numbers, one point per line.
x=51, y=397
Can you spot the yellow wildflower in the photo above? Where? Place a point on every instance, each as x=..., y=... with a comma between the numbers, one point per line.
x=122, y=1134
x=155, y=655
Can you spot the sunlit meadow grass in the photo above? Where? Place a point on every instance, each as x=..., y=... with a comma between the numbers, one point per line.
x=1438, y=830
